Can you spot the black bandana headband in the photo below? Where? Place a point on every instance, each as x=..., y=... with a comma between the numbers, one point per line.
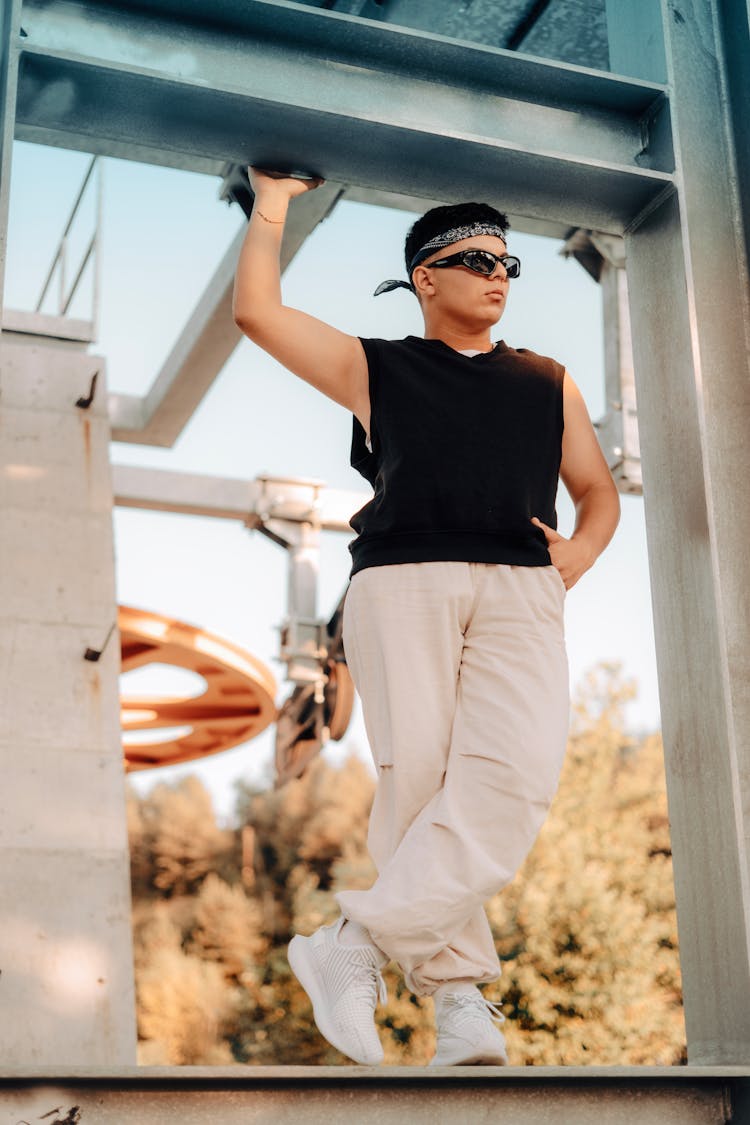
x=456, y=234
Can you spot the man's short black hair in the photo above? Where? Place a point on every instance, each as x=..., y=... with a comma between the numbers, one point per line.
x=441, y=219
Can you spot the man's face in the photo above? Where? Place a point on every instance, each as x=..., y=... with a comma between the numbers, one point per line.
x=461, y=293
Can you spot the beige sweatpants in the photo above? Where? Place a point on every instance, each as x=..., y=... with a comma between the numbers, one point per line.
x=462, y=672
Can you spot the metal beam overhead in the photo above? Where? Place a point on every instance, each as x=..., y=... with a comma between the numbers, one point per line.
x=573, y=31
x=401, y=201
x=570, y=30
x=362, y=102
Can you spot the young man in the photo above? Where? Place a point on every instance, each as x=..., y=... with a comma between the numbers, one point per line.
x=453, y=620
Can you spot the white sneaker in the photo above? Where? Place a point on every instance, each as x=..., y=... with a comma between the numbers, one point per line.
x=466, y=1033
x=344, y=983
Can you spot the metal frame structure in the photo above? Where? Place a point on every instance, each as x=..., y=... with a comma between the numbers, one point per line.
x=656, y=154
x=66, y=292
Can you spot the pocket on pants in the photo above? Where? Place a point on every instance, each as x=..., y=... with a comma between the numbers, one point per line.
x=559, y=578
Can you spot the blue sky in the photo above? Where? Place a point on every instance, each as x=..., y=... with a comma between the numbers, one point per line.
x=163, y=233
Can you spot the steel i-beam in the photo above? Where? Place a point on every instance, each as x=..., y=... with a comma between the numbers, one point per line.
x=194, y=84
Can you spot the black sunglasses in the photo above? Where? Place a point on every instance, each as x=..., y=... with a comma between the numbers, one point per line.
x=480, y=261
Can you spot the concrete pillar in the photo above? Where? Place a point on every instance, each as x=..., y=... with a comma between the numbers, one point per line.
x=689, y=298
x=66, y=972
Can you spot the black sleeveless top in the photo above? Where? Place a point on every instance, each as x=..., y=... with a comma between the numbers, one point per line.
x=465, y=450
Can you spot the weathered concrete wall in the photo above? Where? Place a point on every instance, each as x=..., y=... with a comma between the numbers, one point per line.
x=66, y=982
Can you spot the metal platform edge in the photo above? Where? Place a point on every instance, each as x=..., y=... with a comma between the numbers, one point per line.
x=241, y=1075
x=575, y=1095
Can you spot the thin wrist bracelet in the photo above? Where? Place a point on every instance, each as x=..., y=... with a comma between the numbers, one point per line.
x=276, y=221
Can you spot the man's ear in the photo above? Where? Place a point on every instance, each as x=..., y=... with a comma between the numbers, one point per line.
x=422, y=281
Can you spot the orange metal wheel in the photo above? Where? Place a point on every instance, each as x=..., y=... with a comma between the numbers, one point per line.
x=237, y=704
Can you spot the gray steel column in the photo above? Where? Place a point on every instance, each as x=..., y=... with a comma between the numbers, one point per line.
x=689, y=297
x=10, y=22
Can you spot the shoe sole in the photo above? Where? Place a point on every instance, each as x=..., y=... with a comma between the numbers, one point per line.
x=302, y=966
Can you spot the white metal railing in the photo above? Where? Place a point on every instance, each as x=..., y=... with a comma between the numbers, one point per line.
x=92, y=253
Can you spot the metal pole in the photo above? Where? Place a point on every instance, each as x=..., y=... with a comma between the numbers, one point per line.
x=10, y=24
x=689, y=294
x=60, y=252
x=98, y=249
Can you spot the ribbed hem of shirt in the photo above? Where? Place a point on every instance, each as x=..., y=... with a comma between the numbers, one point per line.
x=444, y=546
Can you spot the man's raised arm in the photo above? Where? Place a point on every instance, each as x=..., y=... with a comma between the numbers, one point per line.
x=330, y=360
